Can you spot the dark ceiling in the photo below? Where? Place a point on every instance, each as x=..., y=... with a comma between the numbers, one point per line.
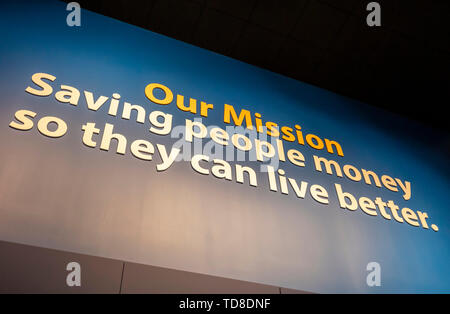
x=401, y=66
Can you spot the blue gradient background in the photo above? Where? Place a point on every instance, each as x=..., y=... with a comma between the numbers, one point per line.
x=200, y=223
